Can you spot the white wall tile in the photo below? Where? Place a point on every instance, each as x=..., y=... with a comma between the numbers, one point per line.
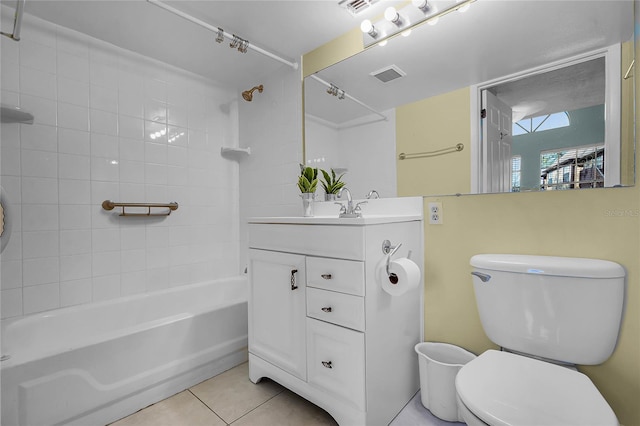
x=133, y=283
x=74, y=166
x=73, y=142
x=39, y=190
x=10, y=161
x=105, y=240
x=75, y=242
x=73, y=116
x=73, y=92
x=130, y=127
x=74, y=216
x=103, y=145
x=106, y=287
x=73, y=67
x=105, y=169
x=39, y=137
x=43, y=270
x=91, y=142
x=39, y=163
x=104, y=122
x=105, y=263
x=38, y=83
x=44, y=110
x=40, y=244
x=11, y=303
x=73, y=191
x=133, y=260
x=75, y=267
x=40, y=298
x=131, y=149
x=10, y=78
x=75, y=292
x=39, y=217
x=11, y=274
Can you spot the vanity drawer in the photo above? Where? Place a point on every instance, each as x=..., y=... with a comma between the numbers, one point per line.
x=345, y=242
x=337, y=308
x=335, y=361
x=344, y=276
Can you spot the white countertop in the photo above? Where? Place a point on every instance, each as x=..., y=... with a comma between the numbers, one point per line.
x=383, y=210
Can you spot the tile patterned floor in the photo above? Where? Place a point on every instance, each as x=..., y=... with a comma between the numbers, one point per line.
x=231, y=399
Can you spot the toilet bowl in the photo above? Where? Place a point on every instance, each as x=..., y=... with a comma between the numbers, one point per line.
x=549, y=313
x=501, y=388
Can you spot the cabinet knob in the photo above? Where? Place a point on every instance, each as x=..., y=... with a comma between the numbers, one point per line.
x=327, y=364
x=326, y=276
x=327, y=309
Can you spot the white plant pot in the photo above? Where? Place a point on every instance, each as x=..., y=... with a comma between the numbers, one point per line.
x=307, y=203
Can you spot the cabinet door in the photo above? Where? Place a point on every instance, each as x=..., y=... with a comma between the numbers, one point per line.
x=336, y=361
x=277, y=309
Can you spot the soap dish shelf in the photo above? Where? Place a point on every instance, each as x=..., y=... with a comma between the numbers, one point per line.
x=234, y=153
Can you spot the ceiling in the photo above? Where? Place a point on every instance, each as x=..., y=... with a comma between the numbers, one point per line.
x=287, y=28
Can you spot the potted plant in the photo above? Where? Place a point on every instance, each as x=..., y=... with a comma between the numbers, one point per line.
x=331, y=184
x=307, y=183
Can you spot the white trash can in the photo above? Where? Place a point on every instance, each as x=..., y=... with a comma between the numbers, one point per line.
x=438, y=364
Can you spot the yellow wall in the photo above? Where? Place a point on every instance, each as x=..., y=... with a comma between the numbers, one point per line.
x=429, y=125
x=598, y=223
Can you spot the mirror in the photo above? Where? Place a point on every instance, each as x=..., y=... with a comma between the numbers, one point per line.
x=428, y=112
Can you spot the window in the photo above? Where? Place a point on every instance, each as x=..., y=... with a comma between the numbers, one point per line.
x=541, y=123
x=572, y=168
x=516, y=164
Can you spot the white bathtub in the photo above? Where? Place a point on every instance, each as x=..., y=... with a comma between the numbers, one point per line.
x=93, y=364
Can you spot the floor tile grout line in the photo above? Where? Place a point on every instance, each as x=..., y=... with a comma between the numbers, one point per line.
x=256, y=407
x=210, y=409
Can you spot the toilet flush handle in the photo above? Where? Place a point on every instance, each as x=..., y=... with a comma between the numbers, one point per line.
x=483, y=277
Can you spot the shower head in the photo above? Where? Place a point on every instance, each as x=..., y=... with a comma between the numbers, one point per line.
x=247, y=95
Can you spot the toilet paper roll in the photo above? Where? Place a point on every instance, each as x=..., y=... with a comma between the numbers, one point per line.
x=404, y=275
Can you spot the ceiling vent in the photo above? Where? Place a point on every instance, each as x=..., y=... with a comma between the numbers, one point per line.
x=388, y=74
x=356, y=6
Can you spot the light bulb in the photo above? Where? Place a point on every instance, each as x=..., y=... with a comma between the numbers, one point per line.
x=152, y=135
x=406, y=33
x=391, y=15
x=433, y=21
x=367, y=27
x=421, y=4
x=383, y=43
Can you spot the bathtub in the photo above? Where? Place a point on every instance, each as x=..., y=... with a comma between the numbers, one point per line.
x=93, y=364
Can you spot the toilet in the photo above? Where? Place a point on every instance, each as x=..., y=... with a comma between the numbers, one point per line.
x=548, y=314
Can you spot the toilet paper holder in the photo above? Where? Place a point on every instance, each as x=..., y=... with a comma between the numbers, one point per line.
x=390, y=250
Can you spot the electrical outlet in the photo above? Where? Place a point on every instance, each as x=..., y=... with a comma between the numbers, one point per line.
x=435, y=213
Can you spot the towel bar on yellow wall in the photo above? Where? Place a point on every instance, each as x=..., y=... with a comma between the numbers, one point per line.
x=110, y=205
x=456, y=148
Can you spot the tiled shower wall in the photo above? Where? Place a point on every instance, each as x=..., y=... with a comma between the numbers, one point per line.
x=111, y=124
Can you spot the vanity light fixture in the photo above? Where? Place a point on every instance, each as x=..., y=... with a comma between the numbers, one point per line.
x=402, y=21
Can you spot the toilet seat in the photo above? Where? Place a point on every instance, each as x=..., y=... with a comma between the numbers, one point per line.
x=504, y=389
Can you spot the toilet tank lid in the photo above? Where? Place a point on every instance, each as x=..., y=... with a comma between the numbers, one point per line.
x=548, y=265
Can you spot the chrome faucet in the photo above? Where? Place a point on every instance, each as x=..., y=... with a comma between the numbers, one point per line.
x=349, y=210
x=373, y=194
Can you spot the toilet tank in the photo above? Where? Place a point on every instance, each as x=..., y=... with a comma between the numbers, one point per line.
x=560, y=308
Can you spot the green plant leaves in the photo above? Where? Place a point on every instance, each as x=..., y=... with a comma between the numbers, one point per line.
x=308, y=180
x=331, y=184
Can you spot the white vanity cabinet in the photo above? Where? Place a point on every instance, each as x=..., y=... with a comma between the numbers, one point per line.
x=328, y=331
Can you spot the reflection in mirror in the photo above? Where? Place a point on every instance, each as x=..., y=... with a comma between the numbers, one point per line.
x=547, y=130
x=430, y=103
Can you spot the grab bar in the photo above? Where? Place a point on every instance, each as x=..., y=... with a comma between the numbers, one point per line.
x=110, y=205
x=456, y=148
